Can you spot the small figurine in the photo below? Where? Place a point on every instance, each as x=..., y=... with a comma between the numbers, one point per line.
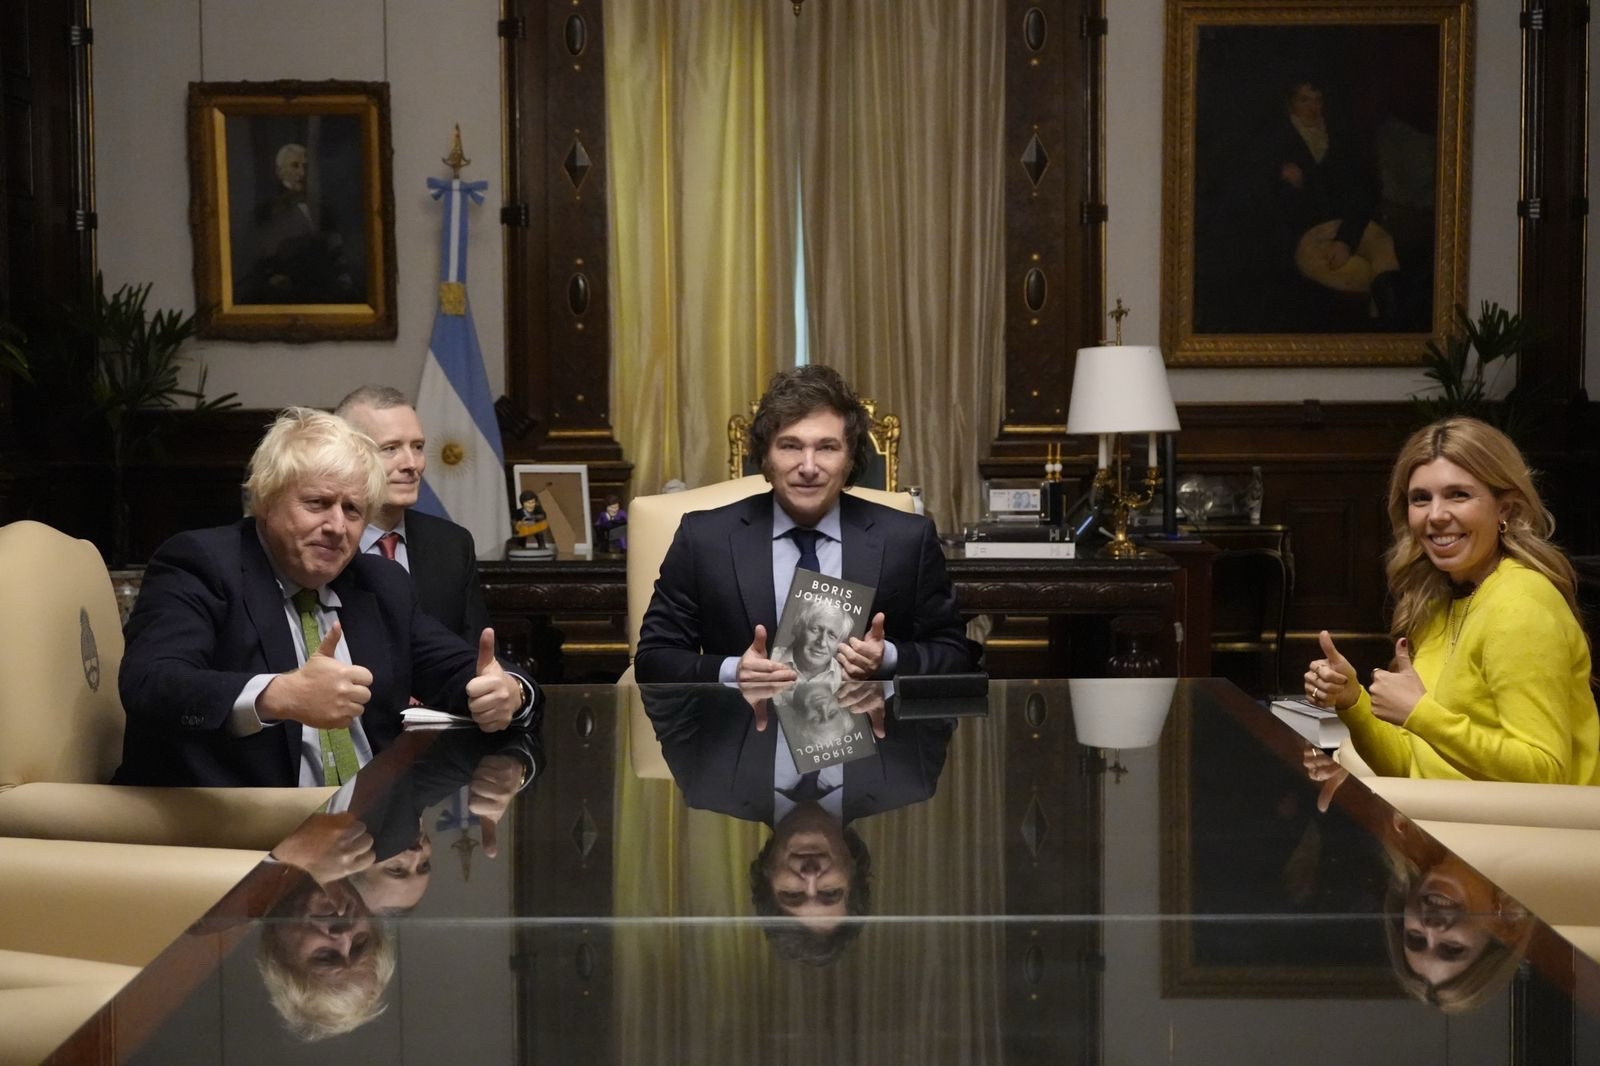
x=531, y=523
x=611, y=527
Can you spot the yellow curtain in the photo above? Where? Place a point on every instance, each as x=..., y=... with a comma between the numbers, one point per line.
x=700, y=269
x=896, y=111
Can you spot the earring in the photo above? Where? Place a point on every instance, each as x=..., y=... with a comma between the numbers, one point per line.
x=1504, y=525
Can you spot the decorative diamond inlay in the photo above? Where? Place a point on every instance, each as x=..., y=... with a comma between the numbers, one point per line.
x=1035, y=827
x=577, y=163
x=583, y=722
x=583, y=962
x=584, y=831
x=1034, y=710
x=1035, y=160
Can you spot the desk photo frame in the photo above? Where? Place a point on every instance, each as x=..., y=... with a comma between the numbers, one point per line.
x=563, y=490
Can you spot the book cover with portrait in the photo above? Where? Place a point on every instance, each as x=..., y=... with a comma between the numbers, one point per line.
x=818, y=614
x=820, y=730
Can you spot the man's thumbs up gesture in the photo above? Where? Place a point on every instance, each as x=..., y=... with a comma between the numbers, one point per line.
x=1395, y=693
x=324, y=693
x=493, y=696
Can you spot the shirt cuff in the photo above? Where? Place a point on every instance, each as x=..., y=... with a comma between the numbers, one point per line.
x=530, y=699
x=728, y=673
x=891, y=659
x=243, y=721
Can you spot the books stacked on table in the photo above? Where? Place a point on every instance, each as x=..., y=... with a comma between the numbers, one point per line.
x=1017, y=540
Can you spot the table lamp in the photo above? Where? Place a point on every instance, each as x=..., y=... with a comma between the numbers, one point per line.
x=1119, y=389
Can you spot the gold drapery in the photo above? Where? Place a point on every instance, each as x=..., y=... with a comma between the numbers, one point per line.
x=675, y=981
x=701, y=278
x=896, y=114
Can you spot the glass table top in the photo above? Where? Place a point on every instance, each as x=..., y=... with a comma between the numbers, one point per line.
x=1083, y=872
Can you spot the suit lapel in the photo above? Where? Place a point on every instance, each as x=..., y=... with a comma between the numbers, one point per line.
x=750, y=545
x=263, y=602
x=862, y=549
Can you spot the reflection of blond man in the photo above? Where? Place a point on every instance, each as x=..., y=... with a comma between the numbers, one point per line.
x=324, y=961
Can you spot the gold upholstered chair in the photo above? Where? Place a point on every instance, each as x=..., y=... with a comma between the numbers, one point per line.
x=61, y=720
x=883, y=471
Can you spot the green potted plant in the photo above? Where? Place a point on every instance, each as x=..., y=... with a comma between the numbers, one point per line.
x=111, y=357
x=1470, y=366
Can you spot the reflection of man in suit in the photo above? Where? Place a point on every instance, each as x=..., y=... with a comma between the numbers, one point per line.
x=727, y=569
x=727, y=758
x=299, y=255
x=440, y=555
x=267, y=652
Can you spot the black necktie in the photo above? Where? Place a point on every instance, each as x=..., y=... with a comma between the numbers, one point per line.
x=809, y=790
x=807, y=540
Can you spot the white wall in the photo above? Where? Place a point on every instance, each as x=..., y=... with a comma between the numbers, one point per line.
x=1134, y=72
x=442, y=64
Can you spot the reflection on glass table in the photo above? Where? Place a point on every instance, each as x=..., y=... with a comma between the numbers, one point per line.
x=664, y=887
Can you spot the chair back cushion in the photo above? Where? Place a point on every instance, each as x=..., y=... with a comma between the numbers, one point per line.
x=653, y=522
x=60, y=716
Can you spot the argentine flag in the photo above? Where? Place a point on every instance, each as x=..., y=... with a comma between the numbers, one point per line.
x=465, y=479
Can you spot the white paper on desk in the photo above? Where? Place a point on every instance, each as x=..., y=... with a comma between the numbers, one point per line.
x=1319, y=725
x=428, y=718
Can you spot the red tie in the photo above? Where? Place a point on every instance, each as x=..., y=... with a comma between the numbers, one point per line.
x=387, y=543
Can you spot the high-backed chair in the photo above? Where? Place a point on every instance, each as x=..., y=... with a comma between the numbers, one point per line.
x=61, y=720
x=883, y=469
x=652, y=523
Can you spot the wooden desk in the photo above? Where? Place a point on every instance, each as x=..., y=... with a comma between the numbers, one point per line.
x=1052, y=616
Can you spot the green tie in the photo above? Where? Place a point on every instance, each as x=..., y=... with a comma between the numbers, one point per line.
x=339, y=762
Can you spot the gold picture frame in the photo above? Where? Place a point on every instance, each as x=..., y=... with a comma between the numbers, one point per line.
x=1316, y=180
x=291, y=208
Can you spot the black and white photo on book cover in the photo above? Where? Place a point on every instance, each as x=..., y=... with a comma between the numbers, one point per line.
x=818, y=614
x=820, y=730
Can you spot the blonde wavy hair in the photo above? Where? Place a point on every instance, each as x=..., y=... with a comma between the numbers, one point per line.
x=304, y=443
x=1417, y=587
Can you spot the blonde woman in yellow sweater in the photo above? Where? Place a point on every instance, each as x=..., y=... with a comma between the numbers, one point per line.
x=1491, y=673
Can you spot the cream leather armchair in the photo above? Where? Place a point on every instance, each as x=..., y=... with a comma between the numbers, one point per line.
x=80, y=919
x=61, y=720
x=652, y=523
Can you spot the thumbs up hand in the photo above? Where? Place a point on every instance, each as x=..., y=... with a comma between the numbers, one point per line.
x=324, y=693
x=493, y=696
x=1331, y=680
x=1396, y=693
x=756, y=669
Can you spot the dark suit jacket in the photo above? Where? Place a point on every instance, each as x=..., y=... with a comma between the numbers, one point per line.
x=721, y=763
x=444, y=567
x=210, y=616
x=716, y=586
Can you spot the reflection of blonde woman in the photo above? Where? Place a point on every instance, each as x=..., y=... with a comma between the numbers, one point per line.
x=1454, y=939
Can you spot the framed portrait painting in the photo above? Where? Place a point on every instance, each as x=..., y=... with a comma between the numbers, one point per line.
x=1315, y=180
x=291, y=207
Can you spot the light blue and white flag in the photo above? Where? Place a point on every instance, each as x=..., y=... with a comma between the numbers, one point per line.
x=465, y=479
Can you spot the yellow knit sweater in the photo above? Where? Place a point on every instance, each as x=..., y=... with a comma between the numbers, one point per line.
x=1509, y=701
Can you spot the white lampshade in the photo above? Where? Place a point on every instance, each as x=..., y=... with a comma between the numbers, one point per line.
x=1121, y=389
x=1120, y=712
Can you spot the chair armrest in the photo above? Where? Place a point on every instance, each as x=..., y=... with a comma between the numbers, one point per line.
x=255, y=819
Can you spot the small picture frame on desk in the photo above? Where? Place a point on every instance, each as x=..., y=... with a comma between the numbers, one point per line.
x=1012, y=500
x=563, y=493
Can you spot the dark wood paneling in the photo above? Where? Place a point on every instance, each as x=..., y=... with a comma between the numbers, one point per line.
x=1053, y=224
x=558, y=346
